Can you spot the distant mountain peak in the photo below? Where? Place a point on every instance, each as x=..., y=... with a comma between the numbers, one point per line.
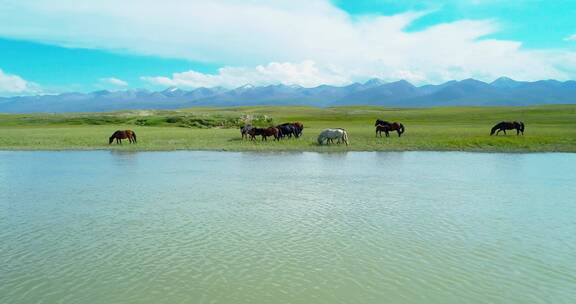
x=402, y=82
x=247, y=86
x=171, y=89
x=471, y=80
x=374, y=82
x=503, y=79
x=505, y=82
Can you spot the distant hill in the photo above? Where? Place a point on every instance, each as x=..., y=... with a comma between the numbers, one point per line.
x=501, y=92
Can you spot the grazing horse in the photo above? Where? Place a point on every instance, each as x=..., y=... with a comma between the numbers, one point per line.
x=508, y=125
x=244, y=130
x=264, y=132
x=120, y=135
x=288, y=129
x=329, y=135
x=395, y=126
x=297, y=128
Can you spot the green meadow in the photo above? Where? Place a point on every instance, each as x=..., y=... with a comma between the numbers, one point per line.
x=548, y=129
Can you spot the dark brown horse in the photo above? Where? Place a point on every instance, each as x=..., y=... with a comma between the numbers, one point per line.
x=386, y=128
x=296, y=127
x=120, y=135
x=508, y=125
x=264, y=132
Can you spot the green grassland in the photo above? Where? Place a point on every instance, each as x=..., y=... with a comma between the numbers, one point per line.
x=548, y=129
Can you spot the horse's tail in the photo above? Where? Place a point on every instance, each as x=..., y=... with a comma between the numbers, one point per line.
x=134, y=136
x=402, y=129
x=345, y=137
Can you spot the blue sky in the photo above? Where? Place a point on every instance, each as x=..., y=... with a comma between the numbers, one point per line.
x=56, y=46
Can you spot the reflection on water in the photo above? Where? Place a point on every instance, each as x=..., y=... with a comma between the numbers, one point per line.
x=219, y=227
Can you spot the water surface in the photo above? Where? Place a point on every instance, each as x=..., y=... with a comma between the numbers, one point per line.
x=215, y=227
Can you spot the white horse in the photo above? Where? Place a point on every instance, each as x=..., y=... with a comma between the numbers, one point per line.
x=329, y=135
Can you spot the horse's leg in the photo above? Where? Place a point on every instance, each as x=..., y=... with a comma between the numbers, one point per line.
x=387, y=133
x=498, y=132
x=399, y=134
x=504, y=131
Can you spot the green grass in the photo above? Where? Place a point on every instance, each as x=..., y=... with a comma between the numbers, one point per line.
x=548, y=128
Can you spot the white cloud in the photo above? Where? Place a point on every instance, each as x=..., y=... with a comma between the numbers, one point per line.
x=13, y=84
x=289, y=41
x=114, y=81
x=571, y=38
x=305, y=74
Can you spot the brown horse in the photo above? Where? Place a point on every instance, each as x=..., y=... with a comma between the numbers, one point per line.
x=264, y=132
x=120, y=135
x=508, y=125
x=386, y=128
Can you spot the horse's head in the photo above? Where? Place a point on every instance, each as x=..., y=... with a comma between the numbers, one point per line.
x=111, y=139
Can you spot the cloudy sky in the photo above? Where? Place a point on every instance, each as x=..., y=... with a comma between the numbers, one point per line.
x=49, y=46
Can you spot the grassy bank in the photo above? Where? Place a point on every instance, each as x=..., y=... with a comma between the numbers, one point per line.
x=548, y=128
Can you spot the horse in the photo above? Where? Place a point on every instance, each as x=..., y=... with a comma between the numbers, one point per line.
x=244, y=130
x=508, y=125
x=120, y=135
x=329, y=135
x=297, y=127
x=264, y=132
x=287, y=129
x=395, y=126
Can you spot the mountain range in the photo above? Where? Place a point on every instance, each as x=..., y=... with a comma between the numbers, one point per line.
x=469, y=92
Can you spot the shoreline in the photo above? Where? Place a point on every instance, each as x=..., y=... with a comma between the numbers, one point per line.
x=328, y=150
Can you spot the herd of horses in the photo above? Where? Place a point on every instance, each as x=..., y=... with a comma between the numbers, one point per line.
x=285, y=130
x=327, y=136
